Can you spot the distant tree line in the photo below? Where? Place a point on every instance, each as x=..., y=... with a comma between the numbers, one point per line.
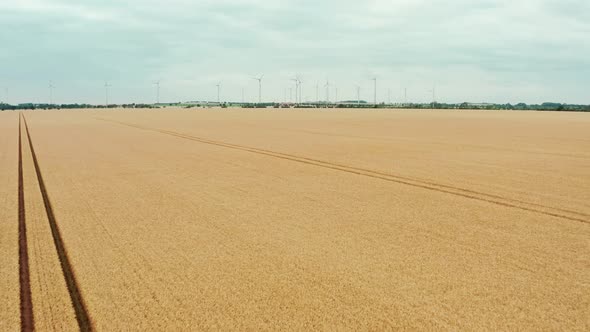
x=531, y=107
x=352, y=104
x=31, y=106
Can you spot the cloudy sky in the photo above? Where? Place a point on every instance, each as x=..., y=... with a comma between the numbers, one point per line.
x=471, y=50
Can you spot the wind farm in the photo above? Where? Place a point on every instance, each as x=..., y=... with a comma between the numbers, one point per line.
x=287, y=92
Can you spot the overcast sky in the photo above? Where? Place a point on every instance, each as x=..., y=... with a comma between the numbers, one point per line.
x=471, y=50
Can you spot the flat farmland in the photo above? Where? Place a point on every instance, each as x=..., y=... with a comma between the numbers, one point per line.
x=190, y=219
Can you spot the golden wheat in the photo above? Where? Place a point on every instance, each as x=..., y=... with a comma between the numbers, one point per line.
x=322, y=220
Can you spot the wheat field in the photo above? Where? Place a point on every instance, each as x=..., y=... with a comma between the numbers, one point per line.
x=191, y=219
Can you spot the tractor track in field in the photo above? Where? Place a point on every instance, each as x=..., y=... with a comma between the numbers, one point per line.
x=418, y=183
x=27, y=318
x=81, y=313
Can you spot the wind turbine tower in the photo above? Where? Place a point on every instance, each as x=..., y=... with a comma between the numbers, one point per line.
x=389, y=96
x=317, y=92
x=296, y=89
x=157, y=84
x=358, y=94
x=51, y=87
x=218, y=85
x=375, y=90
x=298, y=82
x=259, y=79
x=434, y=94
x=106, y=91
x=406, y=96
x=300, y=90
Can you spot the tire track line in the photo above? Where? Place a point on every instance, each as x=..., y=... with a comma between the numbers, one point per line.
x=466, y=193
x=27, y=319
x=82, y=316
x=422, y=181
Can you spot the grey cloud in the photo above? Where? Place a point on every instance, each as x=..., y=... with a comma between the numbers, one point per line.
x=494, y=50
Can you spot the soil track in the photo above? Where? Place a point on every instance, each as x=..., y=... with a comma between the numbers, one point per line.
x=26, y=303
x=466, y=193
x=82, y=316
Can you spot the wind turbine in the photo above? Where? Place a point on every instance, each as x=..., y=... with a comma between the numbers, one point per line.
x=406, y=96
x=317, y=92
x=51, y=87
x=259, y=79
x=298, y=82
x=375, y=90
x=157, y=84
x=389, y=96
x=358, y=94
x=6, y=95
x=106, y=90
x=300, y=90
x=433, y=94
x=218, y=85
x=327, y=91
x=296, y=89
